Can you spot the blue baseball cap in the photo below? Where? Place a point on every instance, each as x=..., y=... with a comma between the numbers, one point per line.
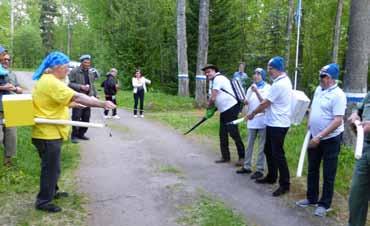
x=277, y=63
x=331, y=70
x=261, y=72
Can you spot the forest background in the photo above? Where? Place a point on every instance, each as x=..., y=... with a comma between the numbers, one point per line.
x=130, y=34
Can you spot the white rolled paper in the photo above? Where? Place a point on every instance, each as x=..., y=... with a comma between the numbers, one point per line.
x=303, y=153
x=359, y=140
x=67, y=123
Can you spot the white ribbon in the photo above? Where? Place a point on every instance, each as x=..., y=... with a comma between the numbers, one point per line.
x=303, y=153
x=359, y=140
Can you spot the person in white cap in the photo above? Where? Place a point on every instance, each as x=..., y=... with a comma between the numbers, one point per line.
x=81, y=79
x=256, y=127
x=326, y=127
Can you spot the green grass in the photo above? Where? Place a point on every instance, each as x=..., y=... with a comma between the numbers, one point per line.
x=169, y=169
x=19, y=185
x=208, y=211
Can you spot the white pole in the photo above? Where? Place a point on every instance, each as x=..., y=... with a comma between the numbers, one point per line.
x=67, y=122
x=11, y=25
x=297, y=47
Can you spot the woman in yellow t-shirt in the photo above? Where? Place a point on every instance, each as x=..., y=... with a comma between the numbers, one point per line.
x=51, y=98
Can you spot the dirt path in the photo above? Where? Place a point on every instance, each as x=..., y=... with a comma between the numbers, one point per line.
x=123, y=178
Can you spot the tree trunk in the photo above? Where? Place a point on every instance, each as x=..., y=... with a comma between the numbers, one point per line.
x=201, y=82
x=182, y=56
x=355, y=79
x=289, y=33
x=336, y=38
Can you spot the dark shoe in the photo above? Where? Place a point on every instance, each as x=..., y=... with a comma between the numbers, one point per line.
x=243, y=171
x=83, y=137
x=265, y=180
x=280, y=191
x=74, y=140
x=50, y=207
x=8, y=161
x=240, y=162
x=61, y=194
x=222, y=161
x=257, y=175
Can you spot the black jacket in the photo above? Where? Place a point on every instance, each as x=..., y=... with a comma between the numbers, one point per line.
x=109, y=86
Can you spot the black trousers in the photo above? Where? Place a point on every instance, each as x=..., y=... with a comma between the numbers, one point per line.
x=139, y=95
x=113, y=99
x=275, y=155
x=328, y=151
x=224, y=131
x=49, y=152
x=82, y=115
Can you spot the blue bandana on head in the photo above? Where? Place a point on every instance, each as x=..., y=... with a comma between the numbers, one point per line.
x=52, y=60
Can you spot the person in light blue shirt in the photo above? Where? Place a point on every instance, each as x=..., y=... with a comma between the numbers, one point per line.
x=242, y=76
x=326, y=127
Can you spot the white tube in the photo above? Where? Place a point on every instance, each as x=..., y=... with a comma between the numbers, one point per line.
x=67, y=123
x=359, y=140
x=238, y=121
x=303, y=153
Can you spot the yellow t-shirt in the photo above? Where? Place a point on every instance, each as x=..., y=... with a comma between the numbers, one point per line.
x=51, y=98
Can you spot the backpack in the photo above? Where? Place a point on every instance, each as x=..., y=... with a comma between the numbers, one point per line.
x=238, y=91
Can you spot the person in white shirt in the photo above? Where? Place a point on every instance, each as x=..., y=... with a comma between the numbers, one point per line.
x=139, y=89
x=326, y=127
x=256, y=127
x=277, y=107
x=227, y=105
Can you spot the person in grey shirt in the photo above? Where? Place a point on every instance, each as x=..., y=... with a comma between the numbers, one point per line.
x=8, y=85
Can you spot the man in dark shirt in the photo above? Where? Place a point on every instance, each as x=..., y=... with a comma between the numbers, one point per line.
x=81, y=79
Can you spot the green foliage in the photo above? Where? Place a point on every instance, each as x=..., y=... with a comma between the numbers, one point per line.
x=27, y=45
x=208, y=211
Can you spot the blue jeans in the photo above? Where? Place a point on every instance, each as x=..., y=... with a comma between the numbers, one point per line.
x=328, y=151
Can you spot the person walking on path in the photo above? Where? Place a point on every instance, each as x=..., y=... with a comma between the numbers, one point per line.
x=278, y=107
x=256, y=127
x=326, y=127
x=241, y=76
x=8, y=85
x=81, y=79
x=139, y=89
x=229, y=109
x=360, y=188
x=51, y=98
x=110, y=85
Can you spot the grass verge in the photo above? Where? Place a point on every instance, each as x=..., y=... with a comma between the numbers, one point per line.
x=19, y=185
x=208, y=211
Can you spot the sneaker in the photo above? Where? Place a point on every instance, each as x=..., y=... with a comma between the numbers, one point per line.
x=135, y=116
x=106, y=116
x=304, y=203
x=8, y=161
x=243, y=171
x=265, y=180
x=74, y=140
x=321, y=211
x=49, y=207
x=280, y=191
x=116, y=117
x=83, y=137
x=142, y=116
x=257, y=175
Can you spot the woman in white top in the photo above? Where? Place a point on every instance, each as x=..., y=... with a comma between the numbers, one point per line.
x=139, y=83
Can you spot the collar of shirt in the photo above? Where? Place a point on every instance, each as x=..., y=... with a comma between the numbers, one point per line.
x=330, y=88
x=279, y=77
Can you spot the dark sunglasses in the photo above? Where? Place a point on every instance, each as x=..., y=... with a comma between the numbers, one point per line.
x=322, y=75
x=7, y=59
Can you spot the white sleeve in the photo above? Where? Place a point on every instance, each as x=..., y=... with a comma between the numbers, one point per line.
x=339, y=105
x=217, y=83
x=275, y=92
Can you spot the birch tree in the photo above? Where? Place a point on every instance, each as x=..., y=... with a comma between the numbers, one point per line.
x=182, y=56
x=201, y=82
